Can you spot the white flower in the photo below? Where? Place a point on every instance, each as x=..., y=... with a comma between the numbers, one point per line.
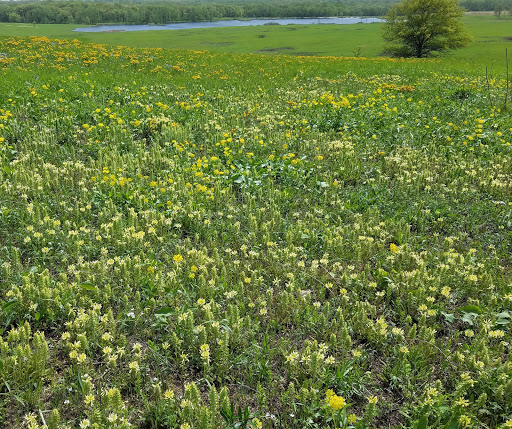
x=85, y=424
x=112, y=418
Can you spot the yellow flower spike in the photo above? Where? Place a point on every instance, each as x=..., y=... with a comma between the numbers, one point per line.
x=394, y=248
x=329, y=393
x=373, y=400
x=352, y=418
x=169, y=394
x=336, y=402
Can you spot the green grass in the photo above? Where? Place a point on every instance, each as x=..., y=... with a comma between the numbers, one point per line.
x=491, y=37
x=319, y=40
x=316, y=242
x=55, y=31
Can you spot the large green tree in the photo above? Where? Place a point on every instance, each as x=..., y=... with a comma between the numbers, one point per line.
x=420, y=28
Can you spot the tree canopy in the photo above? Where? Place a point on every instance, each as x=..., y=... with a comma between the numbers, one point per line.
x=166, y=11
x=420, y=28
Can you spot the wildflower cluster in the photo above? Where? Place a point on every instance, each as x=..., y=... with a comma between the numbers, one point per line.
x=199, y=233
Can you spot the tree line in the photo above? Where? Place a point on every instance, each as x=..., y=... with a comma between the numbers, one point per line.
x=488, y=5
x=74, y=12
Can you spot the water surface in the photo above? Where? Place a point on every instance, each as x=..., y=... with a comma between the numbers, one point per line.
x=227, y=23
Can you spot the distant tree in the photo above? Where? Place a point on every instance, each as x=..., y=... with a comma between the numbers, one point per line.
x=14, y=17
x=419, y=28
x=499, y=8
x=507, y=7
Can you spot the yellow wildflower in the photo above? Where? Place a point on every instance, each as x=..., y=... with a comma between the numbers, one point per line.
x=336, y=402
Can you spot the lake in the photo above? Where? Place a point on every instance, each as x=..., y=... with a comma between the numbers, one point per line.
x=228, y=23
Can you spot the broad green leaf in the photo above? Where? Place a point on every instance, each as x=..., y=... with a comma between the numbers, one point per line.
x=450, y=318
x=32, y=270
x=422, y=423
x=165, y=311
x=471, y=309
x=88, y=286
x=8, y=305
x=469, y=318
x=453, y=423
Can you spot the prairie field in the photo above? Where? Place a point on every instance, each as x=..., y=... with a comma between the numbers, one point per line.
x=491, y=37
x=197, y=239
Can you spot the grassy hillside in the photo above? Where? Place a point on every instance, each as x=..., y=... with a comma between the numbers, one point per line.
x=316, y=242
